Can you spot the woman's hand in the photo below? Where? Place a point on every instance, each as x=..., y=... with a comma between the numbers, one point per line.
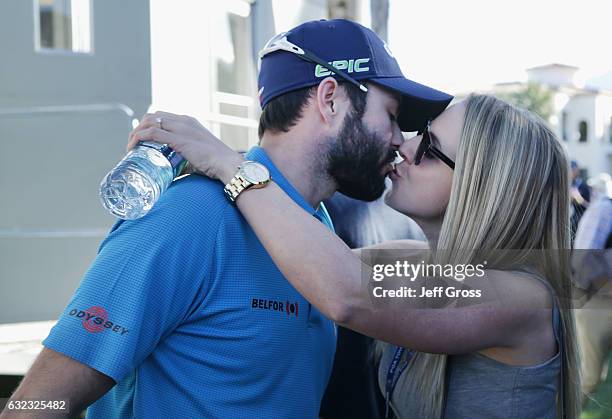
x=185, y=135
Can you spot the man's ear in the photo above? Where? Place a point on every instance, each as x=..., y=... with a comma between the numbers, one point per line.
x=327, y=99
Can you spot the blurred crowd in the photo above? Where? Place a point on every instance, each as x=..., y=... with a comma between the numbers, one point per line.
x=591, y=222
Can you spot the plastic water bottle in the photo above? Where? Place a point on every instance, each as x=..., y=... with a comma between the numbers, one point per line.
x=131, y=189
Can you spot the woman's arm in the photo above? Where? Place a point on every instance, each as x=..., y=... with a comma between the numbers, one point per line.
x=327, y=273
x=416, y=247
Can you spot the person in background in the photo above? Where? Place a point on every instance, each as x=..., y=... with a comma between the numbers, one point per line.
x=595, y=225
x=592, y=264
x=580, y=194
x=352, y=391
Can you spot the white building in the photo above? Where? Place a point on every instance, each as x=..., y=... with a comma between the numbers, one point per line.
x=582, y=116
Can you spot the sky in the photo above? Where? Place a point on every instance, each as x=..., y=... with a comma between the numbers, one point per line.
x=464, y=45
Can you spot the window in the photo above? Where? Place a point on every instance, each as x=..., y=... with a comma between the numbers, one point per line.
x=234, y=74
x=63, y=25
x=583, y=131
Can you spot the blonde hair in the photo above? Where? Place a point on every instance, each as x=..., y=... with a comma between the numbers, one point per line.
x=510, y=191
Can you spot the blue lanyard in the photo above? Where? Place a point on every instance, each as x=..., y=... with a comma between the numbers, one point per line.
x=391, y=378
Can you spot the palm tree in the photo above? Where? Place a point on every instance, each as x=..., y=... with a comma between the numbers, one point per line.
x=534, y=97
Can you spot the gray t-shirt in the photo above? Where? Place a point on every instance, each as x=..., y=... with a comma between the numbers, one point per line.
x=481, y=387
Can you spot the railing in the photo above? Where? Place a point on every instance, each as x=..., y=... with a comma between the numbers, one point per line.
x=97, y=107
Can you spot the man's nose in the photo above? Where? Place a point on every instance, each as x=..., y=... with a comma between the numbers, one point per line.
x=409, y=147
x=397, y=139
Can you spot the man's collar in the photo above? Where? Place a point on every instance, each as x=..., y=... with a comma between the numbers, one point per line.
x=258, y=154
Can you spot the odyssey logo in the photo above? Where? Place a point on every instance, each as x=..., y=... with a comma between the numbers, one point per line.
x=281, y=306
x=95, y=320
x=350, y=66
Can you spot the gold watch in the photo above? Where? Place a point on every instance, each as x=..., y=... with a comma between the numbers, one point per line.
x=250, y=175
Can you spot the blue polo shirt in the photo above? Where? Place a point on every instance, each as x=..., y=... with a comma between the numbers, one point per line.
x=187, y=312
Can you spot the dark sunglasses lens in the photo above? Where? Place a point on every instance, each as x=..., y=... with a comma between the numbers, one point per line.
x=422, y=149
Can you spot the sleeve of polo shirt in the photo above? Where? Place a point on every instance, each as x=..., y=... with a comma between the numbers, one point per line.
x=147, y=277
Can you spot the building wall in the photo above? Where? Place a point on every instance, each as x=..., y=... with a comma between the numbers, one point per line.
x=556, y=75
x=558, y=121
x=595, y=110
x=203, y=66
x=118, y=70
x=64, y=121
x=571, y=105
x=603, y=134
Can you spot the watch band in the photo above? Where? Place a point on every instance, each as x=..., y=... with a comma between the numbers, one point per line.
x=236, y=186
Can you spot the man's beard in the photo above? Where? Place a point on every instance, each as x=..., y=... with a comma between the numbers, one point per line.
x=356, y=160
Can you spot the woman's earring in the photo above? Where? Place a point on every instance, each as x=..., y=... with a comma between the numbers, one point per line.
x=332, y=106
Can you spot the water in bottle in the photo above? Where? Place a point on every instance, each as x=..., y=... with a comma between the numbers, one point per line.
x=131, y=189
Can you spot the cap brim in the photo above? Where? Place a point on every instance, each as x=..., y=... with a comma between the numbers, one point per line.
x=419, y=102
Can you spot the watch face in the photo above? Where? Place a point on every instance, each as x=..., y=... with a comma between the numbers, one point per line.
x=255, y=172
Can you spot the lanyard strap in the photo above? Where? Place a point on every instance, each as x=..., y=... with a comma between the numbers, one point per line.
x=392, y=379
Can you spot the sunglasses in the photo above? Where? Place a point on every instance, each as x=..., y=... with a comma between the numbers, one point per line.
x=281, y=43
x=428, y=150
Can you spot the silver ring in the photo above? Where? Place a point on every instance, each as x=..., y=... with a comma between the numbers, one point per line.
x=159, y=122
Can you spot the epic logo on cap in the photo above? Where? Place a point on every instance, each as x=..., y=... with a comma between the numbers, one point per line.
x=351, y=66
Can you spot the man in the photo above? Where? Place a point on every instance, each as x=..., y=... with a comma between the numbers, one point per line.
x=183, y=312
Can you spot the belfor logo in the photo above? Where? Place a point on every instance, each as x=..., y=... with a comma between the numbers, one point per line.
x=274, y=305
x=350, y=66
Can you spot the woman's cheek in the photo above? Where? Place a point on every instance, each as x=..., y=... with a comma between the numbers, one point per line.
x=433, y=194
x=423, y=193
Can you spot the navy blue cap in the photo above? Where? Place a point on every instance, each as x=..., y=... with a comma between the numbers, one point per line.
x=357, y=51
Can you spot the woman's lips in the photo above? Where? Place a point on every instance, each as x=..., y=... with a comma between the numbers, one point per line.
x=391, y=168
x=393, y=176
x=396, y=172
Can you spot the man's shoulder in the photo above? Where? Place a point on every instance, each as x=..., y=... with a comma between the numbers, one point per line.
x=194, y=196
x=197, y=185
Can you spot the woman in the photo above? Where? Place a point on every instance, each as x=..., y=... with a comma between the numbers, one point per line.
x=483, y=176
